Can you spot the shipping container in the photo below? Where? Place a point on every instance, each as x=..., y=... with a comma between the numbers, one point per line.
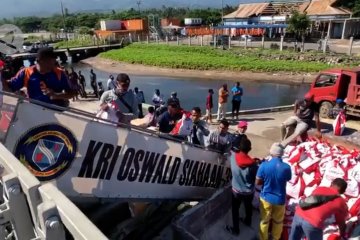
x=170, y=22
x=110, y=25
x=193, y=21
x=136, y=24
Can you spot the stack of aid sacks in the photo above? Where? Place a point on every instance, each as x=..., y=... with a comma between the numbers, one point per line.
x=314, y=164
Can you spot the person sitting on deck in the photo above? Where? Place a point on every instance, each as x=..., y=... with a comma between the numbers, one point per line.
x=44, y=81
x=305, y=110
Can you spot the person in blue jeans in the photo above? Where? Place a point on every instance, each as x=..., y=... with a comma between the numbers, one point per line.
x=309, y=223
x=237, y=92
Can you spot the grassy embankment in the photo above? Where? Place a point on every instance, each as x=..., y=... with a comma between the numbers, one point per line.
x=208, y=58
x=74, y=43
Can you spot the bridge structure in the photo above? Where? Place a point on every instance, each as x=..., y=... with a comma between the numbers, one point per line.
x=76, y=54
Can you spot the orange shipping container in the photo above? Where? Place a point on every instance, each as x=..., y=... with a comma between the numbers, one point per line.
x=136, y=24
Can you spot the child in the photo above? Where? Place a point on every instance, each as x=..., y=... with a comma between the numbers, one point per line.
x=339, y=107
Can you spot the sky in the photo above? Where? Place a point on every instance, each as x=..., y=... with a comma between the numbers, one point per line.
x=15, y=8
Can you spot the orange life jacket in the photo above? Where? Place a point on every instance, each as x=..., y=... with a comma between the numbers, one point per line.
x=31, y=70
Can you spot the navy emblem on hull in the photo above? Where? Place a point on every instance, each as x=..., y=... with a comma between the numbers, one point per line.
x=47, y=150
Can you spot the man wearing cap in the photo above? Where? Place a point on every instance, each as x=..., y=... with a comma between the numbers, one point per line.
x=124, y=99
x=304, y=112
x=239, y=135
x=44, y=81
x=243, y=169
x=273, y=176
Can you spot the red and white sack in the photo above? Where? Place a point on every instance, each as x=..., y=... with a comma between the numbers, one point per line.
x=296, y=156
x=184, y=126
x=354, y=206
x=352, y=189
x=308, y=163
x=339, y=124
x=309, y=190
x=333, y=171
x=295, y=190
x=355, y=172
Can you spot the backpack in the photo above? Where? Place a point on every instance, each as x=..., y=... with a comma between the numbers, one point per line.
x=316, y=201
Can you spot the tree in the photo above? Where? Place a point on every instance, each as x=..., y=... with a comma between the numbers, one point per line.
x=299, y=24
x=353, y=5
x=85, y=31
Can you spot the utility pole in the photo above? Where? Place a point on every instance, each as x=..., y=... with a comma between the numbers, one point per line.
x=222, y=12
x=63, y=19
x=139, y=3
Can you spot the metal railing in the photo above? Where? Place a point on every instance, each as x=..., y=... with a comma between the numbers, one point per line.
x=29, y=210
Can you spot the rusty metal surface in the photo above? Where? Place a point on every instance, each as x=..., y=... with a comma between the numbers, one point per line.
x=321, y=7
x=252, y=9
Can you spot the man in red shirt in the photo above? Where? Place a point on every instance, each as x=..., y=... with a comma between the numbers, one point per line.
x=209, y=106
x=310, y=223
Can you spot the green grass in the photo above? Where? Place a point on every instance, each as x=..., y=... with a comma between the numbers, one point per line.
x=74, y=43
x=207, y=58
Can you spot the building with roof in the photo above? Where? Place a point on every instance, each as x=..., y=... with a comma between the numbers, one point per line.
x=327, y=18
x=330, y=20
x=271, y=16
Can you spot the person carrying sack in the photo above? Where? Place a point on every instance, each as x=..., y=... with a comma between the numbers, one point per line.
x=312, y=212
x=123, y=98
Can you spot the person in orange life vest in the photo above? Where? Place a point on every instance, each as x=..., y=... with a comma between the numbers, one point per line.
x=310, y=223
x=44, y=81
x=243, y=169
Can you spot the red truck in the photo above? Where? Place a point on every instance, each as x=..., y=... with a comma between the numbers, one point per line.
x=335, y=84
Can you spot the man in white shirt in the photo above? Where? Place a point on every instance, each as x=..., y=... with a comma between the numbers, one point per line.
x=111, y=83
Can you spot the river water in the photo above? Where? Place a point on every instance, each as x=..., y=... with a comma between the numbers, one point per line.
x=193, y=92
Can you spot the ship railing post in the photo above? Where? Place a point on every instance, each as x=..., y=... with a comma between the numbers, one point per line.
x=49, y=221
x=18, y=209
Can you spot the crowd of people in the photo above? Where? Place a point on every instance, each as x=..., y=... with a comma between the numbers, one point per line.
x=50, y=84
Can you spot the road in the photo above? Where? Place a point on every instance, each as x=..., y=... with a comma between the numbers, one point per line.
x=335, y=45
